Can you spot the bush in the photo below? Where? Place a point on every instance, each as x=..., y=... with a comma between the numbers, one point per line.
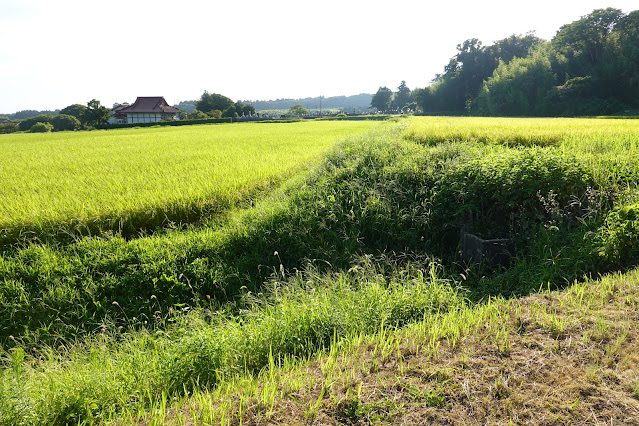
x=65, y=122
x=25, y=125
x=41, y=128
x=617, y=241
x=197, y=115
x=8, y=128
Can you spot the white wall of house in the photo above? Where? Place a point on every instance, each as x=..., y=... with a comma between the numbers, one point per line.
x=143, y=117
x=147, y=117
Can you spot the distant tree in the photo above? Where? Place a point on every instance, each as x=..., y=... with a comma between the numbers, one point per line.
x=41, y=127
x=26, y=124
x=197, y=115
x=297, y=110
x=214, y=113
x=244, y=109
x=95, y=114
x=518, y=88
x=187, y=106
x=402, y=96
x=65, y=122
x=27, y=113
x=8, y=127
x=410, y=107
x=583, y=41
x=381, y=100
x=75, y=110
x=230, y=112
x=210, y=101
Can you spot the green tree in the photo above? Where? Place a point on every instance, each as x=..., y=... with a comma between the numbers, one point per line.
x=230, y=112
x=26, y=124
x=381, y=100
x=8, y=127
x=210, y=101
x=65, y=122
x=402, y=97
x=197, y=115
x=518, y=88
x=41, y=127
x=297, y=110
x=95, y=114
x=215, y=113
x=583, y=41
x=75, y=110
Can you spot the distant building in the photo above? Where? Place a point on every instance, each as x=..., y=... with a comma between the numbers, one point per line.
x=116, y=116
x=148, y=110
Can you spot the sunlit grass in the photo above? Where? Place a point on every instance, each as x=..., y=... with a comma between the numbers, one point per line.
x=144, y=178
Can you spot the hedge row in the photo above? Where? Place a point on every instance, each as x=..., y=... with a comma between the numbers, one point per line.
x=165, y=123
x=356, y=118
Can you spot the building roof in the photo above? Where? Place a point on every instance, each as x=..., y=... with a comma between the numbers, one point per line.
x=150, y=104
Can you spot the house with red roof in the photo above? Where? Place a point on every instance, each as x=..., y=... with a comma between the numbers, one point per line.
x=148, y=109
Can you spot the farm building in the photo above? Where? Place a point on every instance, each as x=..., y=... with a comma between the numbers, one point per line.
x=148, y=110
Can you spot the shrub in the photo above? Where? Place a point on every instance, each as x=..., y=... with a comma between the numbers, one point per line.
x=41, y=128
x=29, y=122
x=8, y=127
x=617, y=241
x=197, y=115
x=65, y=122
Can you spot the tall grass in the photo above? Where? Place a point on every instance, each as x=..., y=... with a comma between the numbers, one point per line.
x=297, y=317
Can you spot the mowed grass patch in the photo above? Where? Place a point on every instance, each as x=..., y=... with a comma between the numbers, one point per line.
x=131, y=179
x=551, y=358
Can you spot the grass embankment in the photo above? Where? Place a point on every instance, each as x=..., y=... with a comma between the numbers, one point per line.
x=351, y=252
x=62, y=185
x=552, y=358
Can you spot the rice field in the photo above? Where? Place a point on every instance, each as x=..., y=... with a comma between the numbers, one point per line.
x=132, y=179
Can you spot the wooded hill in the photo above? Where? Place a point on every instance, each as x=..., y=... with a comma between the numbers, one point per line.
x=590, y=67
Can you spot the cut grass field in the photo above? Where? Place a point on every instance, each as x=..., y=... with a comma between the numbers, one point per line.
x=567, y=357
x=341, y=296
x=84, y=183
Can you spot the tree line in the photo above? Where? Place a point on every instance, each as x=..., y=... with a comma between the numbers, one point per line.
x=73, y=117
x=590, y=67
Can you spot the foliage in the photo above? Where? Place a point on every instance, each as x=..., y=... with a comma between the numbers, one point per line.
x=75, y=110
x=199, y=115
x=65, y=122
x=214, y=113
x=588, y=68
x=381, y=100
x=519, y=88
x=353, y=103
x=26, y=124
x=8, y=127
x=210, y=101
x=401, y=97
x=297, y=111
x=41, y=127
x=618, y=239
x=95, y=114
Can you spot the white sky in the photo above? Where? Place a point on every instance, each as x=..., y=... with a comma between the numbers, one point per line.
x=57, y=53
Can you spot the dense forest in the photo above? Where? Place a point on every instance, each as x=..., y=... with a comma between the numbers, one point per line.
x=590, y=67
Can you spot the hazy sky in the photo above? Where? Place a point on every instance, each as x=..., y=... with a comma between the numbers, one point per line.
x=56, y=53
